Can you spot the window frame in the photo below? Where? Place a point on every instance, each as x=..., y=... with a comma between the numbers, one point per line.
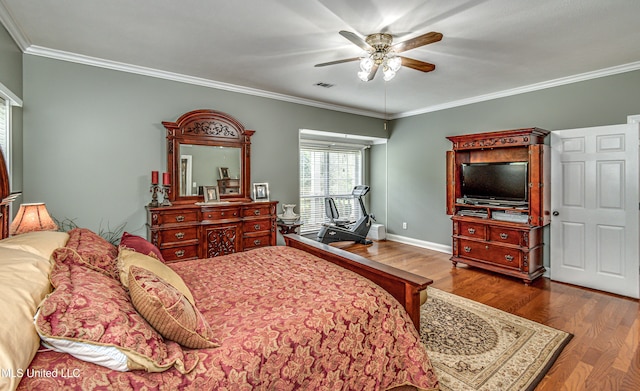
x=347, y=205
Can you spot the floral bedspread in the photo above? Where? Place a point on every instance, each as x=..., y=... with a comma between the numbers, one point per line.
x=286, y=320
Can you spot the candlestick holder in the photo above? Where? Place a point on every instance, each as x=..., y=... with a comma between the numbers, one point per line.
x=165, y=191
x=154, y=195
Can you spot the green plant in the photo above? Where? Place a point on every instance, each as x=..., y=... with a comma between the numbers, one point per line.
x=112, y=235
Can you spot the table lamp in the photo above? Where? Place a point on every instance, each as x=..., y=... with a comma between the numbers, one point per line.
x=32, y=217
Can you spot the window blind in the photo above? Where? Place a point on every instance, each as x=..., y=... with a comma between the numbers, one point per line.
x=4, y=129
x=328, y=171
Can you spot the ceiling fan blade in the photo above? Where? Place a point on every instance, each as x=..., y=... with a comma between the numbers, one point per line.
x=416, y=42
x=417, y=64
x=324, y=64
x=355, y=39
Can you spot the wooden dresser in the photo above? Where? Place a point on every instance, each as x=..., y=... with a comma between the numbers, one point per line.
x=186, y=232
x=481, y=237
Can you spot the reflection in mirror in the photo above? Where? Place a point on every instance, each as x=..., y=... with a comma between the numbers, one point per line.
x=201, y=165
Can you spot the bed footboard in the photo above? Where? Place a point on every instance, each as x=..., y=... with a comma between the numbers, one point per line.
x=402, y=285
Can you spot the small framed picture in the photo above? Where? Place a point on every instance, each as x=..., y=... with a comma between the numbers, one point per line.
x=261, y=192
x=224, y=172
x=211, y=194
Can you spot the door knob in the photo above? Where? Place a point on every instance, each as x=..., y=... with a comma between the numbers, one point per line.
x=556, y=213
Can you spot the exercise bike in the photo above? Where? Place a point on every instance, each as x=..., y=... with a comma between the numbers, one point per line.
x=340, y=230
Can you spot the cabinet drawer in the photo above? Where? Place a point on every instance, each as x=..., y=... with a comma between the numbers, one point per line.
x=257, y=211
x=220, y=213
x=256, y=241
x=181, y=253
x=504, y=235
x=183, y=216
x=471, y=230
x=490, y=253
x=178, y=235
x=257, y=226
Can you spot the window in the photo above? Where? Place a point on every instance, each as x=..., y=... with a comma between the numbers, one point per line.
x=4, y=129
x=328, y=171
x=7, y=100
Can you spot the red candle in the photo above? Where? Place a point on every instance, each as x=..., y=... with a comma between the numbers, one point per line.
x=165, y=178
x=154, y=177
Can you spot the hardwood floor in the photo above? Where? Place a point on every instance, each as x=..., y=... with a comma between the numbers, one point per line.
x=604, y=353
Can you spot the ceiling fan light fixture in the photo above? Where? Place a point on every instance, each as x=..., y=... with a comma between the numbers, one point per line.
x=366, y=64
x=364, y=76
x=388, y=74
x=394, y=63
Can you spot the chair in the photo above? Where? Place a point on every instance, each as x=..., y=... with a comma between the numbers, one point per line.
x=332, y=213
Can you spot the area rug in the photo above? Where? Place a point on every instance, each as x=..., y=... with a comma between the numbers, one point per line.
x=476, y=347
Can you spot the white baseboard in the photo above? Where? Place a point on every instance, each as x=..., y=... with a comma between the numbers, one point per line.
x=420, y=243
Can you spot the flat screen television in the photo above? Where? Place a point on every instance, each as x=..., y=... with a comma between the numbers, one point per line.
x=496, y=182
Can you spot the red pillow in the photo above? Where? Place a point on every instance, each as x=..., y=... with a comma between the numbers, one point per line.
x=140, y=245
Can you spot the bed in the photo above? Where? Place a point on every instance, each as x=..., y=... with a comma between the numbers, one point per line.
x=300, y=316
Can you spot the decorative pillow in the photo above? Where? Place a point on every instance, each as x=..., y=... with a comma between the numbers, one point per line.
x=90, y=316
x=168, y=310
x=94, y=249
x=127, y=258
x=41, y=243
x=140, y=245
x=24, y=282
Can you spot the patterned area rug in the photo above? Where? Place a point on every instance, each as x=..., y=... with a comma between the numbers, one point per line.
x=476, y=347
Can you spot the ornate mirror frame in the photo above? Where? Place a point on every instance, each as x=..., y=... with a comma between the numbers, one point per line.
x=210, y=128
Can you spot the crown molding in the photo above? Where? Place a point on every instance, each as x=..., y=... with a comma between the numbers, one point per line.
x=633, y=66
x=12, y=27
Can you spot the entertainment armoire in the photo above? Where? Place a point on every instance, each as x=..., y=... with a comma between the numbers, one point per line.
x=479, y=239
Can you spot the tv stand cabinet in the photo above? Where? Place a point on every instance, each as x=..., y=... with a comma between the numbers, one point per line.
x=501, y=238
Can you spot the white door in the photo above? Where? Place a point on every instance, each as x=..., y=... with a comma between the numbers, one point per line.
x=594, y=202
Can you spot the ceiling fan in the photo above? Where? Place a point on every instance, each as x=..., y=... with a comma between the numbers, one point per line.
x=382, y=51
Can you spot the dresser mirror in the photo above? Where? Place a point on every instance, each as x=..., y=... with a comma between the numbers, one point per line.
x=208, y=148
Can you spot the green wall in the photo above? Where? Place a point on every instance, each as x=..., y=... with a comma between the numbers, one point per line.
x=93, y=135
x=417, y=144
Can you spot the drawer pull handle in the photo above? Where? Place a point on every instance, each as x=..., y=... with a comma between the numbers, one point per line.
x=221, y=213
x=209, y=215
x=467, y=249
x=180, y=235
x=179, y=253
x=180, y=218
x=256, y=212
x=256, y=227
x=471, y=231
x=257, y=242
x=509, y=258
x=504, y=236
x=235, y=214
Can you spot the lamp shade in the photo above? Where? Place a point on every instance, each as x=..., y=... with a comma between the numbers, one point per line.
x=32, y=217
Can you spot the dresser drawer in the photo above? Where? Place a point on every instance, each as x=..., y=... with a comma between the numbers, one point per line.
x=505, y=235
x=181, y=253
x=471, y=230
x=183, y=216
x=261, y=210
x=257, y=226
x=490, y=253
x=256, y=241
x=220, y=213
x=178, y=235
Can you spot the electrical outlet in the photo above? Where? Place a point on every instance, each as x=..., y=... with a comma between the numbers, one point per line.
x=404, y=225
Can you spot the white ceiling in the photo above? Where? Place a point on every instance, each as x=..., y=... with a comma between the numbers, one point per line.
x=490, y=48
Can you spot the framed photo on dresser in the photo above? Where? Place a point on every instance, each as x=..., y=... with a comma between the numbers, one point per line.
x=211, y=194
x=261, y=191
